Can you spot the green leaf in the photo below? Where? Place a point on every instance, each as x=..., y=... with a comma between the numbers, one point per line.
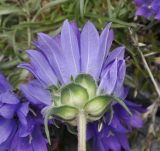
x=35, y=5
x=82, y=7
x=97, y=106
x=87, y=81
x=5, y=10
x=47, y=6
x=9, y=64
x=74, y=95
x=110, y=8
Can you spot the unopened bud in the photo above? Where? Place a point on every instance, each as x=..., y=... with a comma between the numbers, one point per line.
x=74, y=95
x=86, y=81
x=97, y=106
x=66, y=113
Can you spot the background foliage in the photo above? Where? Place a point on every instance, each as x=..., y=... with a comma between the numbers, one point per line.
x=20, y=20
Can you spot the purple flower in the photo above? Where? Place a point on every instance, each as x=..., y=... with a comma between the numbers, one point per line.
x=36, y=94
x=148, y=8
x=58, y=60
x=71, y=53
x=29, y=137
x=19, y=127
x=113, y=135
x=8, y=101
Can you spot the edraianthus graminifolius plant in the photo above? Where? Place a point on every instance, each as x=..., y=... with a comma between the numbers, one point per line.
x=20, y=123
x=148, y=8
x=106, y=134
x=85, y=80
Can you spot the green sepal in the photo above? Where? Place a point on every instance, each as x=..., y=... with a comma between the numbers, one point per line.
x=56, y=124
x=122, y=104
x=55, y=93
x=93, y=118
x=53, y=89
x=48, y=114
x=66, y=113
x=74, y=95
x=97, y=106
x=87, y=81
x=73, y=122
x=111, y=112
x=57, y=100
x=72, y=129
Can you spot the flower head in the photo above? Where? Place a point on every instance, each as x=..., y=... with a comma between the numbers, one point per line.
x=69, y=54
x=83, y=76
x=148, y=8
x=72, y=62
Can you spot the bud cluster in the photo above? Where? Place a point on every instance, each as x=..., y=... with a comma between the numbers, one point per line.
x=79, y=96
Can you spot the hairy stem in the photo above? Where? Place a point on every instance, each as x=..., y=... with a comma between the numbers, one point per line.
x=149, y=72
x=82, y=131
x=135, y=40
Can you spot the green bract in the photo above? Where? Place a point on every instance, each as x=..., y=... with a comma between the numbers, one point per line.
x=74, y=95
x=97, y=106
x=79, y=96
x=86, y=81
x=67, y=113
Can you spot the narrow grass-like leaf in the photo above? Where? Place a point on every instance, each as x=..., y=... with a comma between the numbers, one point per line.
x=5, y=10
x=47, y=6
x=81, y=7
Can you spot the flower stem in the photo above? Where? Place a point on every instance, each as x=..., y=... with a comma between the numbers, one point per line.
x=136, y=43
x=149, y=72
x=82, y=131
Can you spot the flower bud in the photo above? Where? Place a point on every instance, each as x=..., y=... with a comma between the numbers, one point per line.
x=86, y=81
x=74, y=95
x=97, y=106
x=66, y=113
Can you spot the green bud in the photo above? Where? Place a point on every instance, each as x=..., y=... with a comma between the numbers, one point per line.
x=66, y=113
x=86, y=81
x=97, y=106
x=74, y=95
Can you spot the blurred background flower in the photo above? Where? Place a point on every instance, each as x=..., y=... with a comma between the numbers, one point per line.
x=148, y=8
x=20, y=124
